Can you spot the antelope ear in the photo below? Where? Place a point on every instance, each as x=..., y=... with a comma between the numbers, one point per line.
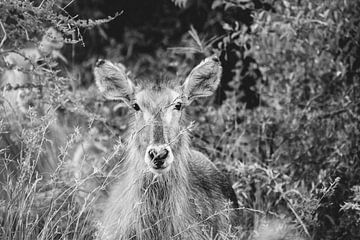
x=203, y=79
x=112, y=81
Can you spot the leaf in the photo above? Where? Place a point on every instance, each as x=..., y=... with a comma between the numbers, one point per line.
x=217, y=3
x=227, y=27
x=180, y=3
x=193, y=33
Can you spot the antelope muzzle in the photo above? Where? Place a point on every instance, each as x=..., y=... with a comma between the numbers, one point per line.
x=159, y=158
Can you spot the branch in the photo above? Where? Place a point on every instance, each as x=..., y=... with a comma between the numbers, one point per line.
x=298, y=218
x=9, y=87
x=5, y=35
x=338, y=112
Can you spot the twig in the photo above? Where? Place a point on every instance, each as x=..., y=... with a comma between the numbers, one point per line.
x=68, y=4
x=9, y=87
x=183, y=131
x=332, y=114
x=316, y=21
x=184, y=49
x=337, y=112
x=298, y=217
x=26, y=33
x=5, y=35
x=310, y=21
x=42, y=2
x=330, y=188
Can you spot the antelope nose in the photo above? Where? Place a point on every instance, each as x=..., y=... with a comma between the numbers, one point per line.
x=158, y=157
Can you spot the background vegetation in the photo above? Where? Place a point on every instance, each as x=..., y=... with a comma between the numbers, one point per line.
x=284, y=124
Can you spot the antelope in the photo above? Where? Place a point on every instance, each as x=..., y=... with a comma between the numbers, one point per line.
x=166, y=190
x=20, y=74
x=17, y=96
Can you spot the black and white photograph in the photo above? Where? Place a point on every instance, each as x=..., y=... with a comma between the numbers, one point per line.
x=179, y=120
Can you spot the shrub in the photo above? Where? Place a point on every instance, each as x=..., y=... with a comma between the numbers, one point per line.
x=284, y=125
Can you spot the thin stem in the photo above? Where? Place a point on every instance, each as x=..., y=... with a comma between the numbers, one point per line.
x=5, y=35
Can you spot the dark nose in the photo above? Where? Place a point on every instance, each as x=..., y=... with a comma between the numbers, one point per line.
x=158, y=157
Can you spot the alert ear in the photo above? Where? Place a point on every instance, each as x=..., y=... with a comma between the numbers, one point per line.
x=112, y=81
x=203, y=79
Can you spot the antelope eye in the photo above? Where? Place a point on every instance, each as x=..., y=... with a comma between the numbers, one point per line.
x=136, y=107
x=178, y=106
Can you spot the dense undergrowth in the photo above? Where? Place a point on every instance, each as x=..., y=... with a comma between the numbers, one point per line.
x=284, y=124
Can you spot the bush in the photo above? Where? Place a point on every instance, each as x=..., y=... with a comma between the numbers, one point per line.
x=283, y=125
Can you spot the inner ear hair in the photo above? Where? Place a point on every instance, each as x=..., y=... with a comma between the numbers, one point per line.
x=203, y=79
x=112, y=81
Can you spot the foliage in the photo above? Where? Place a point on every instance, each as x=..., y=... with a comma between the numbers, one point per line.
x=306, y=123
x=36, y=199
x=284, y=125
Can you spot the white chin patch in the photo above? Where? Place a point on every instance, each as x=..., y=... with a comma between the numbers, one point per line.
x=159, y=171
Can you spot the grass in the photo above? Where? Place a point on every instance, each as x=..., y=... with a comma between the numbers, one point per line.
x=63, y=203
